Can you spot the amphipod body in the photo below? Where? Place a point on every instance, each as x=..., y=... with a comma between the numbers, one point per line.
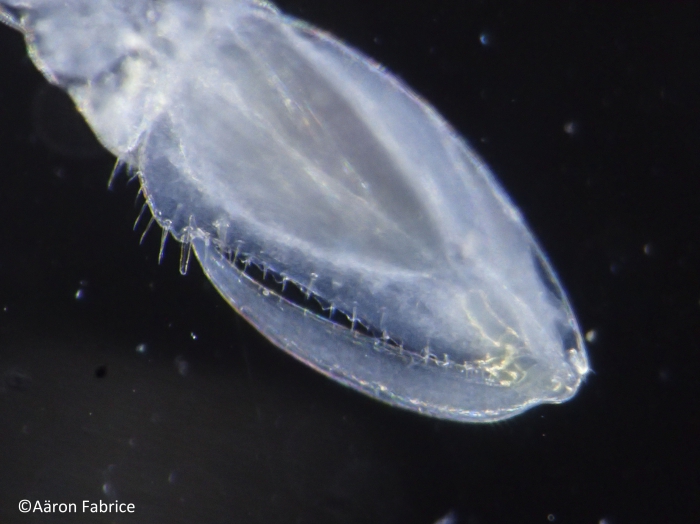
x=329, y=205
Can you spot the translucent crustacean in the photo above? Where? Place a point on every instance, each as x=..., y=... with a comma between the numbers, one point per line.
x=329, y=205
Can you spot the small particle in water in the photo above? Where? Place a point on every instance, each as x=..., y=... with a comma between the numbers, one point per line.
x=141, y=348
x=570, y=128
x=182, y=366
x=17, y=380
x=591, y=336
x=449, y=518
x=649, y=249
x=80, y=294
x=551, y=518
x=485, y=39
x=193, y=335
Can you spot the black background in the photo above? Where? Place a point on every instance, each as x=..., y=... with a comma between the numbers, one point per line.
x=210, y=423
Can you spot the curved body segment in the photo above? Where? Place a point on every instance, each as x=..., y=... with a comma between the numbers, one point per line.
x=330, y=206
